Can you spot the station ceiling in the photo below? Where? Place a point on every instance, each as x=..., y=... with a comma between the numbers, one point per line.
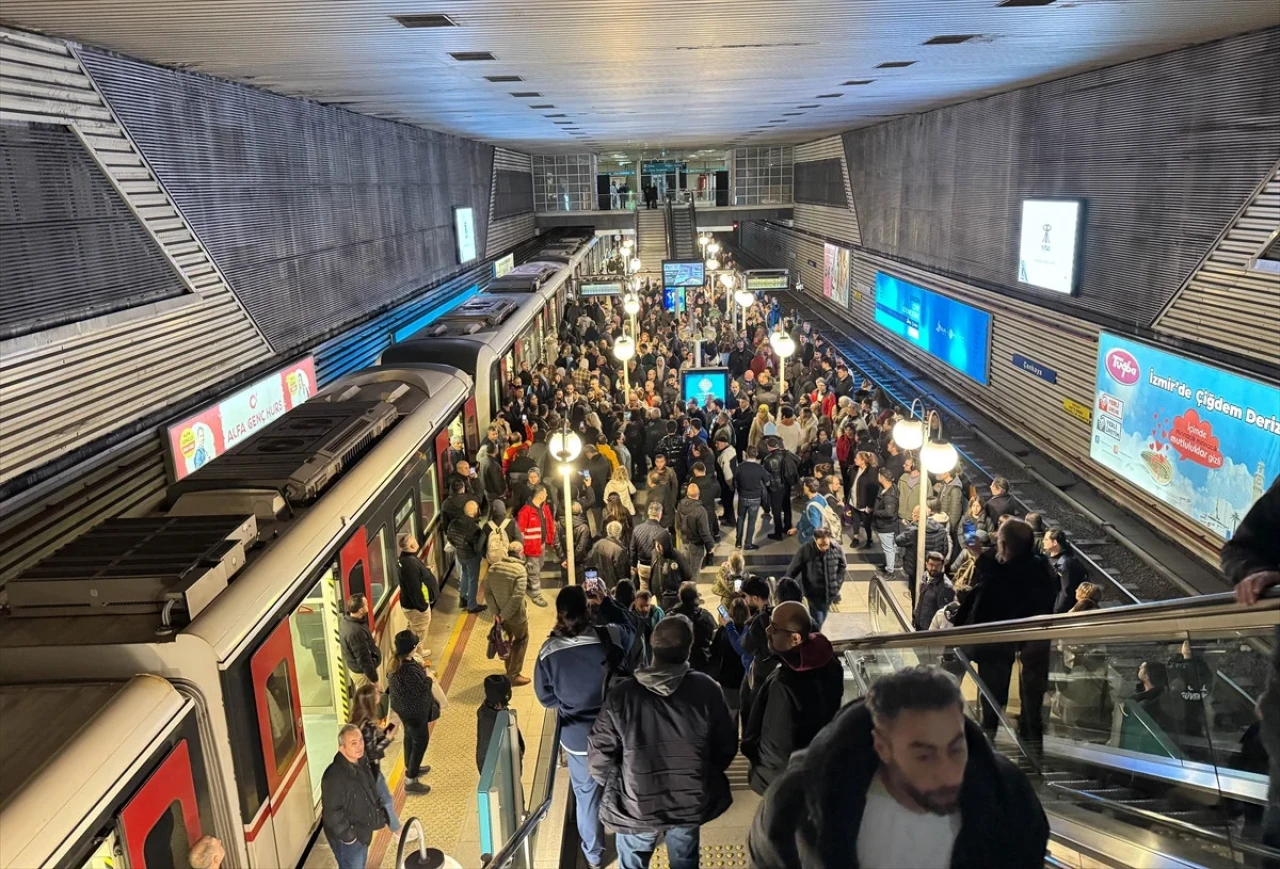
x=576, y=75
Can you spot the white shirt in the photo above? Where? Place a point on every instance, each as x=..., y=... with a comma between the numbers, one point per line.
x=790, y=435
x=894, y=837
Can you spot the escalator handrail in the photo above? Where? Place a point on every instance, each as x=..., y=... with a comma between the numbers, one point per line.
x=1137, y=620
x=891, y=601
x=1248, y=698
x=972, y=672
x=548, y=754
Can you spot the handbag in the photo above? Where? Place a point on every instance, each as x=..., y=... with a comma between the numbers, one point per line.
x=499, y=645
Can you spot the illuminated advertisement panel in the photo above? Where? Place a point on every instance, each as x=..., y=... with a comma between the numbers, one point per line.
x=956, y=333
x=1047, y=243
x=203, y=436
x=464, y=224
x=1202, y=440
x=835, y=274
x=702, y=384
x=504, y=265
x=678, y=273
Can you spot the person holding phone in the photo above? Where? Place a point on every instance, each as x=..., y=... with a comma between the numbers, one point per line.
x=727, y=661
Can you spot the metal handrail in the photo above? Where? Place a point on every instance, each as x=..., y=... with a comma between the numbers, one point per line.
x=411, y=824
x=878, y=588
x=1140, y=619
x=972, y=671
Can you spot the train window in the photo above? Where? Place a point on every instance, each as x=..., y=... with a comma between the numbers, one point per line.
x=378, y=566
x=107, y=855
x=278, y=696
x=166, y=843
x=406, y=521
x=428, y=496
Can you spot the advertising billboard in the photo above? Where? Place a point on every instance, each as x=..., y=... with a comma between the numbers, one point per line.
x=464, y=226
x=956, y=333
x=504, y=265
x=203, y=436
x=767, y=279
x=835, y=274
x=1202, y=440
x=679, y=273
x=702, y=384
x=1047, y=244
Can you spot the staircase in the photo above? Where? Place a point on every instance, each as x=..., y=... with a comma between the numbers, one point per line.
x=684, y=232
x=651, y=238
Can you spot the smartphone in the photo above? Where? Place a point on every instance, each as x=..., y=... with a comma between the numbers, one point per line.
x=971, y=538
x=724, y=613
x=737, y=585
x=585, y=474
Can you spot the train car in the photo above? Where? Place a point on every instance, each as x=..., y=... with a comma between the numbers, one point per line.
x=101, y=774
x=235, y=591
x=489, y=336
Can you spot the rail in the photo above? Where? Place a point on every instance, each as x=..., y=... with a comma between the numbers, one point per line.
x=543, y=791
x=1096, y=570
x=882, y=603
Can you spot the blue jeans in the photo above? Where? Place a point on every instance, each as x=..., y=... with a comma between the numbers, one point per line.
x=586, y=794
x=635, y=850
x=388, y=802
x=353, y=856
x=748, y=513
x=890, y=550
x=469, y=584
x=818, y=614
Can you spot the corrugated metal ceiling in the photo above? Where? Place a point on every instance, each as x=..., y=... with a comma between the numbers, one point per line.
x=661, y=73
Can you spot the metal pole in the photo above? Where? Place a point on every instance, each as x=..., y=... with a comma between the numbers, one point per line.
x=924, y=508
x=782, y=378
x=626, y=382
x=568, y=523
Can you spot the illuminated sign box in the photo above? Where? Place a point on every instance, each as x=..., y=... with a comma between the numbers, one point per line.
x=1203, y=440
x=683, y=273
x=702, y=384
x=600, y=287
x=464, y=225
x=203, y=436
x=767, y=279
x=504, y=265
x=1048, y=244
x=948, y=330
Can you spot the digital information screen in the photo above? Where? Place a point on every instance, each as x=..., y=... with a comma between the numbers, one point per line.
x=602, y=288
x=680, y=273
x=956, y=333
x=504, y=265
x=673, y=299
x=1047, y=244
x=775, y=281
x=203, y=436
x=464, y=225
x=701, y=384
x=1203, y=440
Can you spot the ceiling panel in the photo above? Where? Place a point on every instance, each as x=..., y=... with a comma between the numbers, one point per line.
x=661, y=73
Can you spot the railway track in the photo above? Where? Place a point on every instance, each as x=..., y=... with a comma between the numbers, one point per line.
x=1114, y=563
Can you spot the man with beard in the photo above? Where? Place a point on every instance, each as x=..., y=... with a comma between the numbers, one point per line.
x=901, y=780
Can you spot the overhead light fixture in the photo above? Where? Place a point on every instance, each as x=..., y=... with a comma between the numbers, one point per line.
x=810, y=106
x=792, y=114
x=952, y=39
x=563, y=123
x=525, y=94
x=543, y=106
x=561, y=115
x=430, y=20
x=894, y=64
x=1026, y=3
x=828, y=96
x=472, y=55
x=857, y=81
x=502, y=79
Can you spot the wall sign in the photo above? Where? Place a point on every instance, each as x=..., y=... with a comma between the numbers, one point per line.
x=1076, y=409
x=606, y=288
x=203, y=436
x=1203, y=440
x=1032, y=367
x=464, y=224
x=1047, y=243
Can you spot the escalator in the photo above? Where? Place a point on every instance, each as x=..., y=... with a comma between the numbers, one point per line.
x=684, y=231
x=651, y=237
x=1129, y=776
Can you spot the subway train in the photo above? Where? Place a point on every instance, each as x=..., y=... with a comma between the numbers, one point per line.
x=179, y=673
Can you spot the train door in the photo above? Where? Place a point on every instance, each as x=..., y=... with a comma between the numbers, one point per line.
x=282, y=739
x=428, y=512
x=161, y=822
x=322, y=674
x=471, y=426
x=353, y=560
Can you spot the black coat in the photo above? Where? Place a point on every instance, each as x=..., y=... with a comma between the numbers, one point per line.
x=704, y=631
x=414, y=575
x=933, y=596
x=609, y=558
x=351, y=809
x=797, y=700
x=751, y=481
x=1000, y=505
x=884, y=515
x=821, y=574
x=1071, y=573
x=693, y=526
x=1002, y=591
x=812, y=815
x=359, y=651
x=409, y=688
x=660, y=758
x=868, y=485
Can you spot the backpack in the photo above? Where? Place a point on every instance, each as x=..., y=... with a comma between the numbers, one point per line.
x=831, y=521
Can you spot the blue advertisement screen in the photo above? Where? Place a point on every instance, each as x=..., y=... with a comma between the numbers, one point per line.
x=1202, y=440
x=683, y=274
x=952, y=331
x=704, y=383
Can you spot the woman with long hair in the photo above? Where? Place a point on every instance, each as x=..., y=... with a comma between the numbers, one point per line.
x=418, y=701
x=755, y=437
x=620, y=484
x=863, y=489
x=364, y=714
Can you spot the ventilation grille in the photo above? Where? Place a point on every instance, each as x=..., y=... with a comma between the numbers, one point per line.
x=298, y=455
x=486, y=311
x=469, y=56
x=418, y=21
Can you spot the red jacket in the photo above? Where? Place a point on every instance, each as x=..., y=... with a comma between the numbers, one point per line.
x=537, y=534
x=828, y=403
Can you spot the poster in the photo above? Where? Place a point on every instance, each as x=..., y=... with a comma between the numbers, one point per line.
x=464, y=224
x=1202, y=440
x=1047, y=244
x=202, y=437
x=835, y=274
x=951, y=331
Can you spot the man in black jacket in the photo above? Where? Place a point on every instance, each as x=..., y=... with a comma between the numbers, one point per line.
x=647, y=538
x=359, y=650
x=350, y=809
x=1070, y=572
x=752, y=483
x=704, y=625
x=797, y=699
x=659, y=749
x=1251, y=560
x=708, y=494
x=820, y=566
x=784, y=472
x=903, y=779
x=419, y=591
x=884, y=519
x=935, y=592
x=1001, y=502
x=693, y=528
x=609, y=558
x=468, y=545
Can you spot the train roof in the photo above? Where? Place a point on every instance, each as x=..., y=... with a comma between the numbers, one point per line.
x=482, y=321
x=67, y=748
x=239, y=529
